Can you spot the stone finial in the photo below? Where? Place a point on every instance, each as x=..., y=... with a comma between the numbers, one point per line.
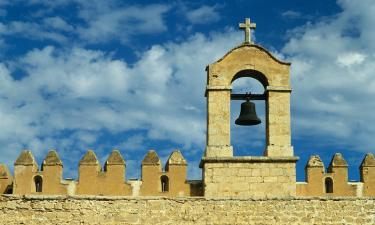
x=89, y=159
x=338, y=161
x=151, y=158
x=52, y=159
x=315, y=161
x=176, y=158
x=4, y=172
x=115, y=158
x=368, y=161
x=26, y=158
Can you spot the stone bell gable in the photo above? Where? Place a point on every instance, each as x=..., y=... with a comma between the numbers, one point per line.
x=248, y=60
x=272, y=174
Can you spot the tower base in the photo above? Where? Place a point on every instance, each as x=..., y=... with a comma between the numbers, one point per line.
x=249, y=176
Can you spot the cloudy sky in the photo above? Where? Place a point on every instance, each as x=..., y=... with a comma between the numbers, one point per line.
x=130, y=75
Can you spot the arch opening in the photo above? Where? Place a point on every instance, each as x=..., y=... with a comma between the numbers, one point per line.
x=247, y=139
x=328, y=183
x=164, y=180
x=255, y=74
x=38, y=181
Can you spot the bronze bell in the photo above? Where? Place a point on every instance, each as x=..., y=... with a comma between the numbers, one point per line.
x=248, y=116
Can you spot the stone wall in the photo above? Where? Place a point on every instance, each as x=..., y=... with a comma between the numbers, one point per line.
x=249, y=176
x=162, y=210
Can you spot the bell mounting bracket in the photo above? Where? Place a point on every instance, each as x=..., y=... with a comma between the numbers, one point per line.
x=248, y=96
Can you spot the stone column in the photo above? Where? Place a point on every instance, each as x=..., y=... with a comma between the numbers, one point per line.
x=278, y=133
x=218, y=122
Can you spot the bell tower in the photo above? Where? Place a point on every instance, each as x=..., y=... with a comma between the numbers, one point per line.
x=272, y=174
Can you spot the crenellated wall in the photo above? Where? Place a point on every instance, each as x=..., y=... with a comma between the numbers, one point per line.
x=171, y=180
x=334, y=181
x=168, y=182
x=95, y=180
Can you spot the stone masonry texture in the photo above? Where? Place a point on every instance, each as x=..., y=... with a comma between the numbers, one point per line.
x=161, y=210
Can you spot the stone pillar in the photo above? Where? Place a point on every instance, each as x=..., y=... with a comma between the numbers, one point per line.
x=25, y=168
x=338, y=169
x=367, y=172
x=89, y=168
x=6, y=180
x=52, y=169
x=278, y=135
x=314, y=171
x=113, y=179
x=151, y=172
x=176, y=169
x=218, y=122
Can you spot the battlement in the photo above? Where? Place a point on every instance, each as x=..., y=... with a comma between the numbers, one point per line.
x=110, y=180
x=93, y=179
x=333, y=181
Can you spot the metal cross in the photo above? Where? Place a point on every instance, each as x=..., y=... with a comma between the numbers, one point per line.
x=247, y=26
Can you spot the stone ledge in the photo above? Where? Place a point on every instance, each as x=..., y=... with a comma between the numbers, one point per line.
x=7, y=197
x=249, y=159
x=279, y=88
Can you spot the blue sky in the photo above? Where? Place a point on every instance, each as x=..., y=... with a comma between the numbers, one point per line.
x=130, y=75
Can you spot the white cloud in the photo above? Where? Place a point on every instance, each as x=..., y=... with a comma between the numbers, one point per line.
x=30, y=30
x=202, y=15
x=108, y=23
x=350, y=58
x=100, y=21
x=291, y=14
x=333, y=77
x=69, y=98
x=58, y=23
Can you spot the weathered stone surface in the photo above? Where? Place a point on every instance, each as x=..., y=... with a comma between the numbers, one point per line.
x=25, y=158
x=89, y=159
x=338, y=161
x=253, y=61
x=249, y=176
x=115, y=158
x=6, y=179
x=151, y=158
x=333, y=182
x=315, y=161
x=159, y=210
x=4, y=172
x=52, y=159
x=368, y=161
x=367, y=174
x=176, y=158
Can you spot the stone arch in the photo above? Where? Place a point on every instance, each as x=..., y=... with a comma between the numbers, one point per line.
x=256, y=62
x=164, y=181
x=328, y=185
x=38, y=183
x=257, y=75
